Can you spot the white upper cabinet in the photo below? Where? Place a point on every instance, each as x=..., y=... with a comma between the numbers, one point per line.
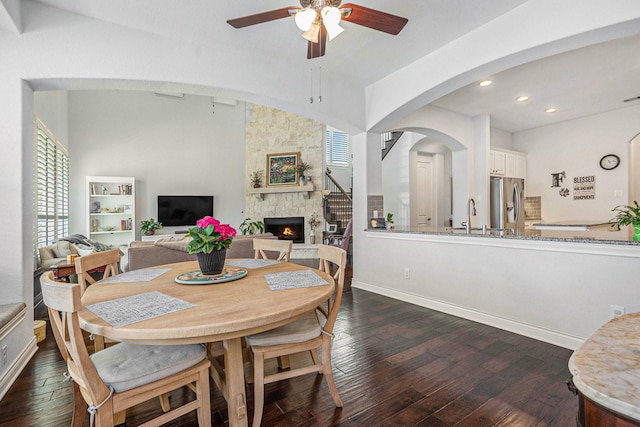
x=496, y=162
x=507, y=163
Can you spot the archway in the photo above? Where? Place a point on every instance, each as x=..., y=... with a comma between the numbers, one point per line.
x=421, y=177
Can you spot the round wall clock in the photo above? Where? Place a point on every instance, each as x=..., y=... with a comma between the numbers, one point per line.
x=609, y=162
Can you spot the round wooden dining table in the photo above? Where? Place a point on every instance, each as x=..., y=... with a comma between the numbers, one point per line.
x=222, y=312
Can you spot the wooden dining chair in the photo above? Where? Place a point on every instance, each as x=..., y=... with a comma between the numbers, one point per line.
x=89, y=264
x=79, y=405
x=312, y=332
x=260, y=246
x=122, y=376
x=343, y=241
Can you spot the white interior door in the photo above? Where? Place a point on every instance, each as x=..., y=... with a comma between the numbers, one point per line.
x=424, y=191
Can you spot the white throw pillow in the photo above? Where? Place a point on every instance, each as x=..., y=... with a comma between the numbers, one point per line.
x=83, y=249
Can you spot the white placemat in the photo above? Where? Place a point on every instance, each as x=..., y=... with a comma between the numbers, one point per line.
x=294, y=280
x=144, y=275
x=136, y=308
x=251, y=263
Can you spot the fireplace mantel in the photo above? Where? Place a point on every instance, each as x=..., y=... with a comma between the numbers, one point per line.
x=304, y=189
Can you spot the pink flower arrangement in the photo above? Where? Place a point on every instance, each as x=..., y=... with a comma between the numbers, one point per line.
x=209, y=235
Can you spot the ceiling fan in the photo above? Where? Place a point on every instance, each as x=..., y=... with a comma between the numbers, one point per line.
x=321, y=18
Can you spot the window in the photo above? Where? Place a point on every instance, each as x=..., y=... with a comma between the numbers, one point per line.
x=51, y=190
x=337, y=147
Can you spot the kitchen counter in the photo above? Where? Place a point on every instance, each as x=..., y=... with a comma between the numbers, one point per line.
x=572, y=225
x=606, y=368
x=604, y=235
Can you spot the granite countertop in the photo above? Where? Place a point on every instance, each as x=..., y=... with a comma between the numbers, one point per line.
x=606, y=368
x=580, y=225
x=604, y=235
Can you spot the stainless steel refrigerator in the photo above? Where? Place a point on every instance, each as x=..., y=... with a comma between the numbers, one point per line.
x=507, y=202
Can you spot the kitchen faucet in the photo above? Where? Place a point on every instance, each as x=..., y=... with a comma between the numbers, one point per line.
x=471, y=210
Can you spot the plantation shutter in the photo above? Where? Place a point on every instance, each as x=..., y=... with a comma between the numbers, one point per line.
x=51, y=190
x=337, y=147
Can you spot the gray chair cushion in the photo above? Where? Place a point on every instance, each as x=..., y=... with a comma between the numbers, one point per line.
x=304, y=329
x=126, y=366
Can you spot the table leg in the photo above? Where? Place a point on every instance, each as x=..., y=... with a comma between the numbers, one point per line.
x=236, y=396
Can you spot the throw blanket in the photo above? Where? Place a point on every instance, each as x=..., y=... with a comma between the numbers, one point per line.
x=175, y=243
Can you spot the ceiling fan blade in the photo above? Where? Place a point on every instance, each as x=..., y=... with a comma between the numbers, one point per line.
x=374, y=19
x=259, y=18
x=316, y=50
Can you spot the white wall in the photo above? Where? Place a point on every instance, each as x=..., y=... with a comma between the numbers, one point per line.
x=575, y=147
x=501, y=139
x=170, y=145
x=53, y=109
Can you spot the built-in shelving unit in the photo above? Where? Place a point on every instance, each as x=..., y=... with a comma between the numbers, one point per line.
x=111, y=211
x=306, y=190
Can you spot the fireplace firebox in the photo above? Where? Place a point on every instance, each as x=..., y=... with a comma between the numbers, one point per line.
x=286, y=228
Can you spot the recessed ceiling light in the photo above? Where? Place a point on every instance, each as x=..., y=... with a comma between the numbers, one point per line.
x=485, y=83
x=522, y=98
x=549, y=110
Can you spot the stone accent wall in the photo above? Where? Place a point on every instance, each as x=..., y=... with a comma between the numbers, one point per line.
x=270, y=131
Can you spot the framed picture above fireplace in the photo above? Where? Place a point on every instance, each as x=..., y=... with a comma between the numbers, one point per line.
x=282, y=169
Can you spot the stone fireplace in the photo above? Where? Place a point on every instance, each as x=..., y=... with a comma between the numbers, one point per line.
x=286, y=228
x=270, y=131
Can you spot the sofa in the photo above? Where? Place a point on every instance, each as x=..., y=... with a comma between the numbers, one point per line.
x=75, y=244
x=148, y=254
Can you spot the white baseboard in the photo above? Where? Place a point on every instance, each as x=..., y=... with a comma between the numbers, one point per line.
x=531, y=331
x=17, y=366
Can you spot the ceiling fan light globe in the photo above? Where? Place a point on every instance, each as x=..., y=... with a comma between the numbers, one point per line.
x=304, y=19
x=312, y=33
x=333, y=31
x=331, y=17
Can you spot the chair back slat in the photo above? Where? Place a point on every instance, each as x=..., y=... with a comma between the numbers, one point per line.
x=260, y=246
x=337, y=256
x=107, y=259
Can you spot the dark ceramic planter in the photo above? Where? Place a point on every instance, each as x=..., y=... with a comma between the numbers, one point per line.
x=212, y=263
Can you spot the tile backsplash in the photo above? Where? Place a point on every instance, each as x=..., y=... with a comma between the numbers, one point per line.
x=375, y=203
x=533, y=207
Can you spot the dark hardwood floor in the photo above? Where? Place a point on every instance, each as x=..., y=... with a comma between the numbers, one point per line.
x=395, y=364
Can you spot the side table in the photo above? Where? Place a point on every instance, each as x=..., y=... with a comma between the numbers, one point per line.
x=62, y=271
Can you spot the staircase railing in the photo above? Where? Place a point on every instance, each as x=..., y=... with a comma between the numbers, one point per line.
x=337, y=203
x=389, y=139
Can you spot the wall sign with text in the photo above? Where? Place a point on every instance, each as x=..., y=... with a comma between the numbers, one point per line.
x=584, y=187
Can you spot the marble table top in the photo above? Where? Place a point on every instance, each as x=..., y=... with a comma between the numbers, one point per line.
x=606, y=368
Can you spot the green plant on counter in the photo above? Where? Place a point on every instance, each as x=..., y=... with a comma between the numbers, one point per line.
x=627, y=215
x=149, y=226
x=390, y=217
x=251, y=227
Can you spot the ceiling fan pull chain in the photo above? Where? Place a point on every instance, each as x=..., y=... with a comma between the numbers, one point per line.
x=311, y=87
x=320, y=83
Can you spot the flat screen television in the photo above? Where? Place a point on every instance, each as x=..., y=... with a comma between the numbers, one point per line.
x=183, y=210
